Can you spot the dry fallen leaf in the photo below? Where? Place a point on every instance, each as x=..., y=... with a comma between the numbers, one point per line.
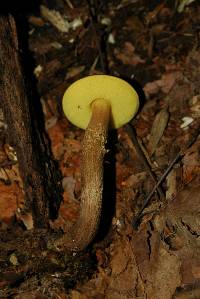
x=164, y=84
x=124, y=281
x=191, y=162
x=158, y=127
x=74, y=71
x=77, y=295
x=54, y=17
x=11, y=195
x=167, y=251
x=128, y=56
x=171, y=184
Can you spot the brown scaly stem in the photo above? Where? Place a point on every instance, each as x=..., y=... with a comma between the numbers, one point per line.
x=84, y=230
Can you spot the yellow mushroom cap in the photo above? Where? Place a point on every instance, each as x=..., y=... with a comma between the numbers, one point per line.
x=78, y=98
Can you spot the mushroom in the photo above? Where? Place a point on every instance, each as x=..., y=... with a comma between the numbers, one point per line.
x=95, y=103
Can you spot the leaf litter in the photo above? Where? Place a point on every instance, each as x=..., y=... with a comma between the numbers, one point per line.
x=159, y=49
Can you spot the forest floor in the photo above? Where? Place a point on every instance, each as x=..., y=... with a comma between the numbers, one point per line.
x=146, y=249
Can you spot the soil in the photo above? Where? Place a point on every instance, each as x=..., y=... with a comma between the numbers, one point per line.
x=148, y=242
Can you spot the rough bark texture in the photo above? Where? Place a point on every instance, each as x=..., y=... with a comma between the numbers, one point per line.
x=37, y=170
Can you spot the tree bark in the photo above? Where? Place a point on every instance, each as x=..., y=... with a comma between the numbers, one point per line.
x=23, y=115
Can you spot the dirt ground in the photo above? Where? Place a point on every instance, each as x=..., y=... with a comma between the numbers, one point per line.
x=148, y=243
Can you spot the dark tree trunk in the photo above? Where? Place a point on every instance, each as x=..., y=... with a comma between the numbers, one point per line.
x=23, y=115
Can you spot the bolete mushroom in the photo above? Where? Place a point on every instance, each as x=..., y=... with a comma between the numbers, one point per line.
x=95, y=103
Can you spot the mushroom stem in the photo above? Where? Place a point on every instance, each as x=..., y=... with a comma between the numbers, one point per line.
x=93, y=151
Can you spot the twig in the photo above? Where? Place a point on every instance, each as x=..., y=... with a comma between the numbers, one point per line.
x=98, y=36
x=69, y=3
x=180, y=154
x=132, y=134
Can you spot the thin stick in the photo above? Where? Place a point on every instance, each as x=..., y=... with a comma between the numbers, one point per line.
x=132, y=134
x=98, y=37
x=171, y=165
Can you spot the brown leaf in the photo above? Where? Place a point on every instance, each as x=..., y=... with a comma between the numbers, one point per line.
x=77, y=295
x=159, y=268
x=124, y=281
x=128, y=56
x=191, y=162
x=10, y=197
x=167, y=251
x=164, y=84
x=158, y=127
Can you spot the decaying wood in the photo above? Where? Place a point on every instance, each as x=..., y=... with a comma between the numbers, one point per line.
x=22, y=115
